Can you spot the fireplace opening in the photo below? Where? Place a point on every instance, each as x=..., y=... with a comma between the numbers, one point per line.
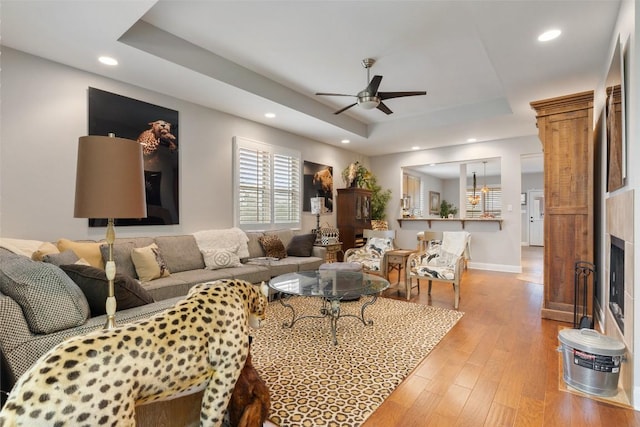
x=616, y=281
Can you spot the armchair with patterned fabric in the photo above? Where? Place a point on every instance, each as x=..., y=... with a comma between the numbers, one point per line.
x=439, y=261
x=372, y=255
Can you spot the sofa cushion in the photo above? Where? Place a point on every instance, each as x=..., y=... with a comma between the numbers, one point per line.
x=90, y=251
x=285, y=235
x=301, y=245
x=49, y=299
x=121, y=256
x=220, y=258
x=255, y=248
x=95, y=286
x=66, y=257
x=149, y=263
x=180, y=252
x=273, y=246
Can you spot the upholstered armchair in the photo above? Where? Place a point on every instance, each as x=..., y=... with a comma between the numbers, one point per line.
x=439, y=261
x=372, y=255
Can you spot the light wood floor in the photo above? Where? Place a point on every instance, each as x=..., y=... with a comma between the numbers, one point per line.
x=498, y=366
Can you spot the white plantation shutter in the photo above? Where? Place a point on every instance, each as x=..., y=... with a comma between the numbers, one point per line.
x=254, y=190
x=286, y=189
x=490, y=202
x=493, y=202
x=267, y=183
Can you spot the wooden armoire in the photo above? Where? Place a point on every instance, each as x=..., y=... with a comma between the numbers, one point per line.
x=354, y=216
x=565, y=127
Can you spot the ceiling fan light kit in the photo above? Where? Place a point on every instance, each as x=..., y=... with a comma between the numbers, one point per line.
x=368, y=102
x=370, y=98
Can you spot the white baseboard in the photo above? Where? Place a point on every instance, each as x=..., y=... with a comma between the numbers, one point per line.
x=496, y=267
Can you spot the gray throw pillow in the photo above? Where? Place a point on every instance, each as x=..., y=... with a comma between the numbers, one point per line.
x=181, y=253
x=93, y=282
x=301, y=245
x=121, y=256
x=66, y=257
x=50, y=301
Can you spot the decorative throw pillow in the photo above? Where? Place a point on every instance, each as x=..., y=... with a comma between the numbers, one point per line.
x=49, y=299
x=66, y=257
x=221, y=258
x=121, y=256
x=46, y=248
x=95, y=286
x=212, y=239
x=90, y=251
x=301, y=245
x=149, y=263
x=273, y=247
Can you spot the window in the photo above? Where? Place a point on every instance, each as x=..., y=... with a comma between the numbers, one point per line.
x=490, y=204
x=266, y=185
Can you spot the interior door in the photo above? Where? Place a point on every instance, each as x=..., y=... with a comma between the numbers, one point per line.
x=536, y=218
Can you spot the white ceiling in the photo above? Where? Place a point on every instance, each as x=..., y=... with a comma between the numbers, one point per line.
x=479, y=61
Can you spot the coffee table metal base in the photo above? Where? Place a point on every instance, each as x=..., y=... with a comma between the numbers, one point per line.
x=330, y=309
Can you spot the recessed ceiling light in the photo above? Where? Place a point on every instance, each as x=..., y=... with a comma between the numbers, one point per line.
x=107, y=60
x=269, y=115
x=345, y=141
x=415, y=147
x=471, y=140
x=549, y=35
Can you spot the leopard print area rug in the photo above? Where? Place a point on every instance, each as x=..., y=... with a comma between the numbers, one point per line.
x=314, y=383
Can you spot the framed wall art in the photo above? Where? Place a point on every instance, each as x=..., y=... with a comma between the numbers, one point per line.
x=434, y=202
x=156, y=128
x=318, y=182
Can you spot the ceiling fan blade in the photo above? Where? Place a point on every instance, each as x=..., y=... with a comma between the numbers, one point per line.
x=345, y=108
x=334, y=94
x=389, y=95
x=372, y=88
x=384, y=108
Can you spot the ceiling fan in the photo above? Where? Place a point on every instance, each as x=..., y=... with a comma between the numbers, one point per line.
x=370, y=98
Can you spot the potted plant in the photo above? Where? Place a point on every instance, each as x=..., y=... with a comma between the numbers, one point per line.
x=379, y=199
x=447, y=209
x=356, y=175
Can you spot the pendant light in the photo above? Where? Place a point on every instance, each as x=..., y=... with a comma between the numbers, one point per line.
x=475, y=198
x=485, y=189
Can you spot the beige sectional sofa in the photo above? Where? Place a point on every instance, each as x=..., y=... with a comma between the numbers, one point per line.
x=36, y=326
x=187, y=267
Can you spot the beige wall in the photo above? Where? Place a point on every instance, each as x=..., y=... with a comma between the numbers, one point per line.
x=44, y=111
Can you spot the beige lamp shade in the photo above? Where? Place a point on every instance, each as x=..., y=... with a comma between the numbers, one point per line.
x=109, y=178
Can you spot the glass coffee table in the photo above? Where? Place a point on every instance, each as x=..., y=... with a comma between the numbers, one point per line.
x=333, y=286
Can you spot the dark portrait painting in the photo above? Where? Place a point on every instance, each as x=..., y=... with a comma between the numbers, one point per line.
x=318, y=182
x=156, y=128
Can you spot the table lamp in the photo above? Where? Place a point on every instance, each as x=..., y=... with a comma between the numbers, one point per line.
x=317, y=208
x=109, y=184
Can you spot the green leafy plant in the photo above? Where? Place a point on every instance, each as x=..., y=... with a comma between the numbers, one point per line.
x=447, y=208
x=379, y=198
x=356, y=174
x=363, y=178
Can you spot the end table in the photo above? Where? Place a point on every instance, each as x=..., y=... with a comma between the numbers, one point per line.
x=332, y=250
x=397, y=260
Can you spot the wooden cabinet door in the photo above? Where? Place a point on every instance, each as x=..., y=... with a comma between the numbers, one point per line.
x=565, y=128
